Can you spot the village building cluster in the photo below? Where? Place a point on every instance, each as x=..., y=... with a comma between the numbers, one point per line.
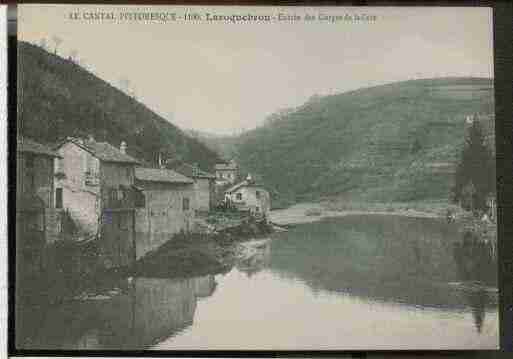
x=99, y=192
x=107, y=195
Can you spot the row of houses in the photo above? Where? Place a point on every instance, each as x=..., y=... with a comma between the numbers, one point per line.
x=110, y=196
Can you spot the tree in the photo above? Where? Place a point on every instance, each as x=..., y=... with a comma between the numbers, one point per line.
x=416, y=146
x=42, y=43
x=73, y=55
x=57, y=40
x=475, y=173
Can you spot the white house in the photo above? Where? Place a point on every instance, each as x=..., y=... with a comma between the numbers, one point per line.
x=92, y=176
x=226, y=172
x=204, y=185
x=249, y=196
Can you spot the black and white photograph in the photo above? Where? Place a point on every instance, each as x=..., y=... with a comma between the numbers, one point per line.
x=255, y=178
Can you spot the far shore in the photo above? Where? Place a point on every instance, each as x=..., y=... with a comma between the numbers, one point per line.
x=312, y=212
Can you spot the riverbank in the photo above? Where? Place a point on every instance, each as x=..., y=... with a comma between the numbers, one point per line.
x=197, y=254
x=481, y=230
x=315, y=211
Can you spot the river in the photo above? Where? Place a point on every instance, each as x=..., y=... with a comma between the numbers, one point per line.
x=351, y=283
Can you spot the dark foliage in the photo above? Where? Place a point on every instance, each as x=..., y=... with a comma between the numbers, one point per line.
x=58, y=98
x=475, y=173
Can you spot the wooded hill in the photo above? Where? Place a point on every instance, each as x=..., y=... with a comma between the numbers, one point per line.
x=58, y=98
x=395, y=142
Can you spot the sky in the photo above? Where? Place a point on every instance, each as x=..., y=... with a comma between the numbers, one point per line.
x=223, y=77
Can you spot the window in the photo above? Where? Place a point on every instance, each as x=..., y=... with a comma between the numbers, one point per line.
x=34, y=221
x=124, y=220
x=185, y=204
x=59, y=165
x=257, y=194
x=30, y=162
x=30, y=176
x=58, y=198
x=107, y=217
x=257, y=209
x=140, y=199
x=113, y=195
x=121, y=194
x=239, y=196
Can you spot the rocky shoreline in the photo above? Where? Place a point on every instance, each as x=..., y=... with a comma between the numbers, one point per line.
x=187, y=255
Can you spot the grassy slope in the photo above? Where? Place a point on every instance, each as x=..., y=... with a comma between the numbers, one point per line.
x=58, y=98
x=359, y=144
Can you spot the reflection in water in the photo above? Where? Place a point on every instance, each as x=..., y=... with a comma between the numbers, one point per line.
x=256, y=261
x=354, y=283
x=360, y=282
x=384, y=258
x=478, y=300
x=476, y=264
x=475, y=260
x=148, y=310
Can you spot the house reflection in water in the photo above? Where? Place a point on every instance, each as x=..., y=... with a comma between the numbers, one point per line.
x=257, y=259
x=204, y=286
x=148, y=310
x=159, y=308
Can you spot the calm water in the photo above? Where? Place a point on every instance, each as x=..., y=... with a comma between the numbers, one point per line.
x=359, y=282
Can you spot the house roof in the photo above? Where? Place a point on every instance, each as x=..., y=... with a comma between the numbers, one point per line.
x=244, y=183
x=227, y=166
x=104, y=151
x=160, y=175
x=192, y=172
x=25, y=144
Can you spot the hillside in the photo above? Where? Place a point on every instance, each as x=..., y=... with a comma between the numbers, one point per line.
x=57, y=98
x=224, y=145
x=396, y=142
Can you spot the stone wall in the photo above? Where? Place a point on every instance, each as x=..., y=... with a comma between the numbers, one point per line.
x=53, y=220
x=163, y=215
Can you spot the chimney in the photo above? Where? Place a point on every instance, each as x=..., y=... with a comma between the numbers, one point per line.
x=161, y=162
x=249, y=178
x=90, y=138
x=122, y=147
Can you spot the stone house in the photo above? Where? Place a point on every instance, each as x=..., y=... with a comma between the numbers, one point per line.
x=227, y=172
x=95, y=187
x=204, y=186
x=37, y=219
x=168, y=207
x=92, y=176
x=249, y=195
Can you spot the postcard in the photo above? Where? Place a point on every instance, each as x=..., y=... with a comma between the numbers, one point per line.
x=255, y=178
